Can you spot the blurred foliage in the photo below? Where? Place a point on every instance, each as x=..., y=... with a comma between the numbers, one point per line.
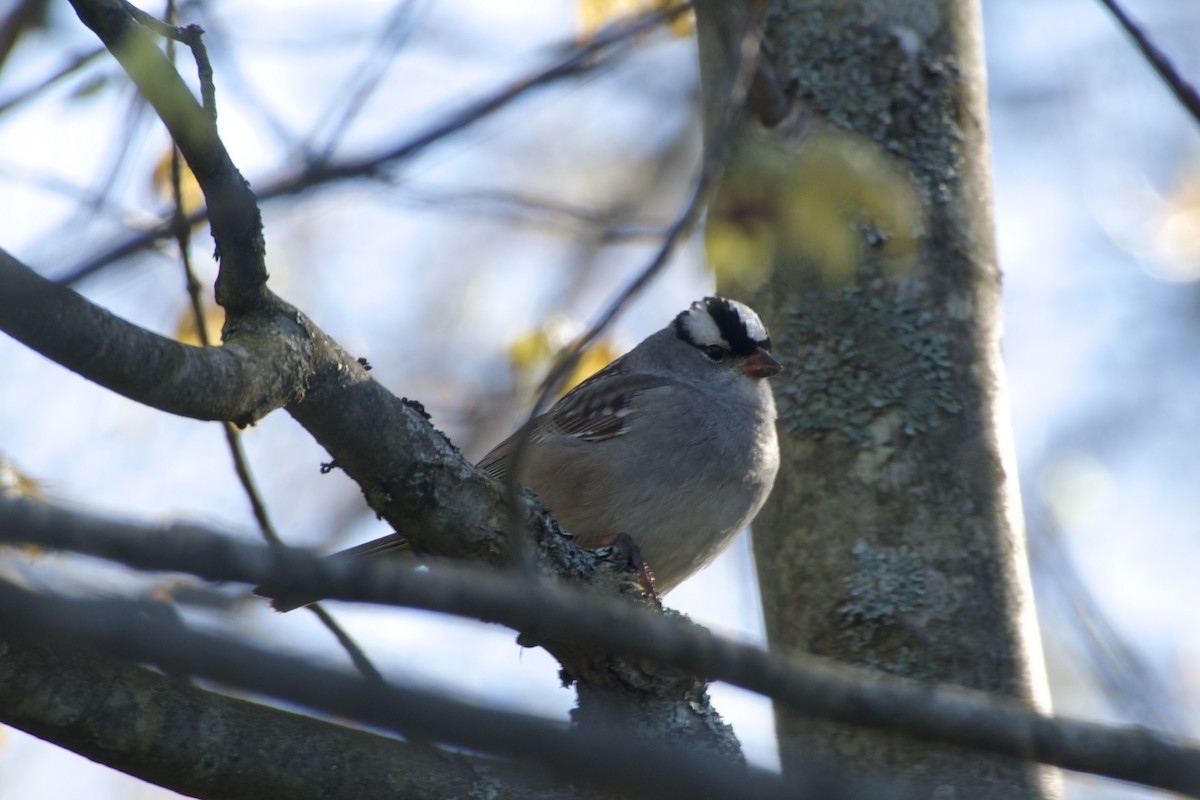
x=532, y=354
x=187, y=331
x=23, y=17
x=14, y=481
x=189, y=189
x=815, y=205
x=595, y=14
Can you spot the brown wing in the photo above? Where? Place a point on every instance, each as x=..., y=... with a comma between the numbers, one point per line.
x=392, y=544
x=594, y=411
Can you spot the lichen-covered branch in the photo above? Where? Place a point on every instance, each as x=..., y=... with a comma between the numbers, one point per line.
x=593, y=756
x=817, y=688
x=204, y=744
x=263, y=369
x=410, y=474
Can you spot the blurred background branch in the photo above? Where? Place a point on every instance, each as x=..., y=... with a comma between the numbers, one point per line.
x=546, y=615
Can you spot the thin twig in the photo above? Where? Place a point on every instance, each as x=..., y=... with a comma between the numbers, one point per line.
x=357, y=655
x=235, y=218
x=539, y=212
x=1184, y=92
x=241, y=465
x=166, y=30
x=582, y=58
x=190, y=35
x=354, y=95
x=204, y=71
x=586, y=56
x=74, y=65
x=183, y=237
x=560, y=613
x=1128, y=681
x=120, y=157
x=97, y=201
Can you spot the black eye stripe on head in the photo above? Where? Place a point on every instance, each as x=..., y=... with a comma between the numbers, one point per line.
x=733, y=327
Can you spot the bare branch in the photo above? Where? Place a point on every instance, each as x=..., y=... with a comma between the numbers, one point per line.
x=554, y=613
x=204, y=744
x=211, y=383
x=193, y=37
x=543, y=212
x=351, y=98
x=241, y=465
x=604, y=45
x=139, y=632
x=1184, y=92
x=233, y=209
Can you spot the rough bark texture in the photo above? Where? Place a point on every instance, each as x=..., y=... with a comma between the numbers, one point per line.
x=264, y=369
x=207, y=745
x=578, y=622
x=893, y=538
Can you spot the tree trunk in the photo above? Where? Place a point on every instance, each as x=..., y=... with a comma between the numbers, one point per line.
x=856, y=217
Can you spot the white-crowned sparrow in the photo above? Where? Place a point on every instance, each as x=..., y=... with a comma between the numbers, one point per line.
x=673, y=444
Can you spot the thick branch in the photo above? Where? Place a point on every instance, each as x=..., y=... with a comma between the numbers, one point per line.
x=410, y=474
x=635, y=767
x=234, y=383
x=205, y=744
x=233, y=210
x=814, y=686
x=445, y=507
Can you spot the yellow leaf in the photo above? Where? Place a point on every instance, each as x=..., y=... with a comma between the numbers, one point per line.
x=532, y=354
x=15, y=482
x=817, y=203
x=529, y=351
x=740, y=252
x=594, y=359
x=189, y=189
x=594, y=15
x=187, y=332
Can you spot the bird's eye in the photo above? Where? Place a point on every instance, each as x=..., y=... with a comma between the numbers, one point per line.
x=716, y=352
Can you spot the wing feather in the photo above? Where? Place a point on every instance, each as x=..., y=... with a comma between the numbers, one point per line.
x=594, y=411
